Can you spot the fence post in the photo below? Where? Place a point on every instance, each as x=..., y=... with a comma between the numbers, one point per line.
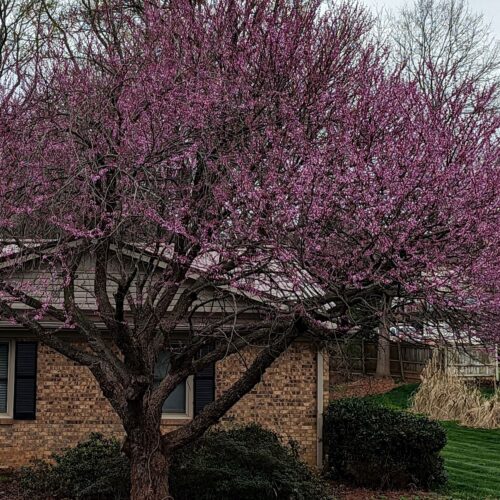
x=363, y=367
x=400, y=355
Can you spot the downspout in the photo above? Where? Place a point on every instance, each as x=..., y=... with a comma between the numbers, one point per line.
x=319, y=408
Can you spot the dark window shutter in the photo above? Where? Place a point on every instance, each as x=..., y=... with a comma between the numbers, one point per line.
x=204, y=384
x=25, y=381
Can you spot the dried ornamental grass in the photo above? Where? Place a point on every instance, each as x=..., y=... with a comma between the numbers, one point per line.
x=446, y=397
x=486, y=416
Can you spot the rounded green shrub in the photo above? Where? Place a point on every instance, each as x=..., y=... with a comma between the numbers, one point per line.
x=94, y=469
x=244, y=463
x=369, y=445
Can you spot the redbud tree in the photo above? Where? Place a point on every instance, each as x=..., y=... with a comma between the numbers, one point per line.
x=405, y=218
x=202, y=151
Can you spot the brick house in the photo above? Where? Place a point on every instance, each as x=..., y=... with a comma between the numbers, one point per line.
x=48, y=402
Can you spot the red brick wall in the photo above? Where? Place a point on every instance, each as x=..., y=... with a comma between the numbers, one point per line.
x=285, y=400
x=70, y=406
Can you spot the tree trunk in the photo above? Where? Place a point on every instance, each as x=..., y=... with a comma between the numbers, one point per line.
x=383, y=354
x=149, y=466
x=384, y=343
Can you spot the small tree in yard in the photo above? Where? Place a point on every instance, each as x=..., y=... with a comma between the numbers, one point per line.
x=416, y=244
x=249, y=146
x=405, y=216
x=452, y=56
x=168, y=143
x=450, y=53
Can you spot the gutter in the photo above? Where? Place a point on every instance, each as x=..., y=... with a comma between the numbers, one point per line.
x=319, y=408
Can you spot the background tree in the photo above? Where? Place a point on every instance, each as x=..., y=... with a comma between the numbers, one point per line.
x=442, y=45
x=406, y=214
x=449, y=51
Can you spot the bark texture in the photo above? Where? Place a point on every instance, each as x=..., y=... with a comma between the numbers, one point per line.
x=149, y=466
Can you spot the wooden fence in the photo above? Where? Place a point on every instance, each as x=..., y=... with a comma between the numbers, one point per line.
x=407, y=360
x=471, y=362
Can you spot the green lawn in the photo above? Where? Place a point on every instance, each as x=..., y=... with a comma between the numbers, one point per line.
x=472, y=456
x=398, y=399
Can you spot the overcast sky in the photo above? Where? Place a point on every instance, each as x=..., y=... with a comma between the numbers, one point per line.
x=490, y=9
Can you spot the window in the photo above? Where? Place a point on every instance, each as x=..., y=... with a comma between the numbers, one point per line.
x=179, y=402
x=6, y=378
x=18, y=367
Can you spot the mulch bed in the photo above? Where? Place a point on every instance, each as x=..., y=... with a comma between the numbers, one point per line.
x=363, y=386
x=343, y=492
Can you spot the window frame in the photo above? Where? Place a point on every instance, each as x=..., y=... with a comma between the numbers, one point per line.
x=189, y=403
x=11, y=376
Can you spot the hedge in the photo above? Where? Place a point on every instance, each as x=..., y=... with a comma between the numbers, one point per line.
x=369, y=445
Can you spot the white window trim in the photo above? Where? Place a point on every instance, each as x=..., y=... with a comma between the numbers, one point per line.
x=10, y=379
x=189, y=403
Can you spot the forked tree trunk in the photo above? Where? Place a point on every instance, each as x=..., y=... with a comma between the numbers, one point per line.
x=149, y=467
x=150, y=459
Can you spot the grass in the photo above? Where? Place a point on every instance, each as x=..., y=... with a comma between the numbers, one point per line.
x=472, y=456
x=487, y=391
x=398, y=399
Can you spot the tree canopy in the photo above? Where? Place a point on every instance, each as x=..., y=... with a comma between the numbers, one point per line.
x=258, y=148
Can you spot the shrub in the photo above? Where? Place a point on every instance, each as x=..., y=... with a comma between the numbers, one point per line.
x=244, y=463
x=370, y=445
x=94, y=469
